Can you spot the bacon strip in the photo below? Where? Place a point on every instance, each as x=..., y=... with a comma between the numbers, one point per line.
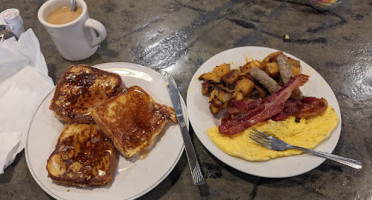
x=237, y=107
x=272, y=105
x=306, y=108
x=291, y=107
x=312, y=107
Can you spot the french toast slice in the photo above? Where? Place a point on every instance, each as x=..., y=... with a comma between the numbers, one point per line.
x=132, y=120
x=84, y=156
x=80, y=89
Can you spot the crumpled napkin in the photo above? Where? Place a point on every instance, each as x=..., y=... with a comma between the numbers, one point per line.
x=24, y=83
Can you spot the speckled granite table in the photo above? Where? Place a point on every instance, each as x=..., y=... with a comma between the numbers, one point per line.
x=182, y=34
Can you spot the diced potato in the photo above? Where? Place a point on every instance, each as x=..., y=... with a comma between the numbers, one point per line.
x=231, y=77
x=210, y=76
x=248, y=76
x=295, y=65
x=217, y=103
x=224, y=96
x=247, y=67
x=296, y=71
x=207, y=88
x=272, y=69
x=214, y=110
x=225, y=105
x=271, y=57
x=220, y=96
x=213, y=95
x=221, y=70
x=257, y=64
x=261, y=91
x=245, y=86
x=237, y=95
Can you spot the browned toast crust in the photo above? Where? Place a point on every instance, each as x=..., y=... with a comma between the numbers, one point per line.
x=132, y=120
x=80, y=89
x=83, y=156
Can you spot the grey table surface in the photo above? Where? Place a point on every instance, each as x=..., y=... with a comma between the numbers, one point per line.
x=180, y=35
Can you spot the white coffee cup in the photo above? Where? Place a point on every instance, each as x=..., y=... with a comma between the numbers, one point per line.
x=75, y=40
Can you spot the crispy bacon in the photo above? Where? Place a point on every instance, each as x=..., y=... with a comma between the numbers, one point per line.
x=291, y=107
x=306, y=108
x=280, y=116
x=241, y=106
x=272, y=105
x=312, y=107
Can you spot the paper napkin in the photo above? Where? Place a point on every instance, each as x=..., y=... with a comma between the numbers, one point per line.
x=24, y=83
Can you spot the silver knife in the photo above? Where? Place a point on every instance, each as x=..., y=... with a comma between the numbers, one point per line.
x=196, y=173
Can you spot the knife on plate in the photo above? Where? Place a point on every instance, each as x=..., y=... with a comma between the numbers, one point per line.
x=196, y=173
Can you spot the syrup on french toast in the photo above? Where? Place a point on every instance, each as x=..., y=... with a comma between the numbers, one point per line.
x=80, y=89
x=83, y=156
x=132, y=120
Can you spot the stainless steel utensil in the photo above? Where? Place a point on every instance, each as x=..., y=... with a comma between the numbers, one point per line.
x=72, y=2
x=276, y=144
x=196, y=173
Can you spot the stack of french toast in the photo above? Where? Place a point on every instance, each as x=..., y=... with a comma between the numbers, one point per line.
x=101, y=116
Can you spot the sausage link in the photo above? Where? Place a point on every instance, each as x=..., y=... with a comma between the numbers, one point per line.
x=286, y=74
x=270, y=84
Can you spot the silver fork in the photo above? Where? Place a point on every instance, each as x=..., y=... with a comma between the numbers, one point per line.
x=276, y=144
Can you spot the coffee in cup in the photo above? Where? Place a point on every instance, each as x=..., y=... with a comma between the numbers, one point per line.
x=77, y=39
x=64, y=15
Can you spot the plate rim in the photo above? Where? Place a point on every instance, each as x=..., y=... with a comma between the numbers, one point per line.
x=102, y=66
x=224, y=156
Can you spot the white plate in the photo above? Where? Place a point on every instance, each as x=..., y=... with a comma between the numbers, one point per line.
x=132, y=178
x=201, y=118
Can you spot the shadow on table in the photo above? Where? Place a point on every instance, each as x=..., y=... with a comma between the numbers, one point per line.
x=8, y=173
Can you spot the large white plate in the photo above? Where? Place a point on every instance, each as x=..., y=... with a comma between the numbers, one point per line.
x=133, y=178
x=201, y=118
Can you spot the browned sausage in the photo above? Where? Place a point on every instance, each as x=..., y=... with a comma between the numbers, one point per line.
x=270, y=84
x=286, y=74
